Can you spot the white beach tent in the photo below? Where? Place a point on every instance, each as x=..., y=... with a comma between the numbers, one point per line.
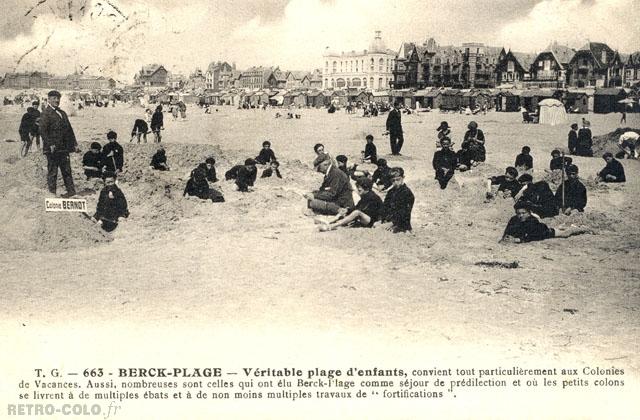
x=552, y=112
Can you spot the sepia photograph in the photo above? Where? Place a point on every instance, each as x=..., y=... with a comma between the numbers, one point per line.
x=320, y=209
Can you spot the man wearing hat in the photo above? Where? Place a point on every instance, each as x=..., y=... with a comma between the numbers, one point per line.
x=335, y=192
x=585, y=141
x=394, y=129
x=58, y=140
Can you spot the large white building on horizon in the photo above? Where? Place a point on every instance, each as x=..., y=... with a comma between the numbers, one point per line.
x=371, y=69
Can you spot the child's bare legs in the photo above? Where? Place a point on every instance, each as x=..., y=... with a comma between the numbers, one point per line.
x=571, y=231
x=355, y=215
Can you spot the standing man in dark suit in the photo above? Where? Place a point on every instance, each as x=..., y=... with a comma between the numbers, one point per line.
x=394, y=129
x=58, y=140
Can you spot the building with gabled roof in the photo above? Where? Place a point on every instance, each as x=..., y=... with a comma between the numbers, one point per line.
x=152, y=75
x=513, y=68
x=632, y=70
x=590, y=65
x=549, y=68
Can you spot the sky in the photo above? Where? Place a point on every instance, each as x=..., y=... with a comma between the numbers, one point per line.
x=116, y=37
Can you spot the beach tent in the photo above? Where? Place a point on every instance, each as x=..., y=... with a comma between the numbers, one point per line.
x=551, y=112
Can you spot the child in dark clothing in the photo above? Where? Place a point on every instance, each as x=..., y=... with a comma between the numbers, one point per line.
x=523, y=227
x=266, y=155
x=370, y=152
x=572, y=195
x=382, y=176
x=159, y=160
x=398, y=203
x=245, y=175
x=556, y=160
x=524, y=161
x=613, y=171
x=365, y=213
x=92, y=161
x=198, y=186
x=506, y=183
x=538, y=195
x=140, y=128
x=344, y=167
x=210, y=163
x=272, y=169
x=113, y=153
x=445, y=162
x=111, y=204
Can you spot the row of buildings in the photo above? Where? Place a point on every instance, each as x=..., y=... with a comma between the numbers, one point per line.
x=474, y=65
x=221, y=76
x=43, y=80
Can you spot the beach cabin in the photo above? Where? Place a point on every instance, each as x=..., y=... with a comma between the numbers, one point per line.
x=605, y=100
x=451, y=99
x=577, y=102
x=530, y=98
x=381, y=96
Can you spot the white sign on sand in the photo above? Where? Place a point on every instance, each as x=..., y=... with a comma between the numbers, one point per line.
x=65, y=204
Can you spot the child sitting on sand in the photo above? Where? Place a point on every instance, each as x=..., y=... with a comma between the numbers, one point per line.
x=506, y=183
x=370, y=153
x=266, y=155
x=111, y=204
x=613, y=171
x=556, y=160
x=92, y=161
x=245, y=175
x=572, y=194
x=524, y=161
x=365, y=213
x=271, y=170
x=198, y=186
x=382, y=176
x=159, y=160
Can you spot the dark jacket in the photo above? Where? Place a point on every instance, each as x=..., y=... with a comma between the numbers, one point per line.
x=382, y=176
x=198, y=186
x=118, y=156
x=614, y=168
x=56, y=131
x=244, y=177
x=397, y=208
x=394, y=123
x=473, y=148
x=556, y=163
x=505, y=185
x=265, y=156
x=572, y=140
x=111, y=209
x=335, y=188
x=445, y=158
x=523, y=160
x=157, y=121
x=575, y=195
x=529, y=230
x=371, y=205
x=94, y=160
x=29, y=124
x=159, y=161
x=540, y=199
x=585, y=142
x=371, y=153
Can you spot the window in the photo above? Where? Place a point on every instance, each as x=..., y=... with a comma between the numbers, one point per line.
x=372, y=64
x=335, y=65
x=380, y=64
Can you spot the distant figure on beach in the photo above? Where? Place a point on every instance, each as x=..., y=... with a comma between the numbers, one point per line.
x=112, y=204
x=623, y=117
x=398, y=204
x=157, y=124
x=444, y=163
x=394, y=129
x=572, y=138
x=613, y=171
x=334, y=193
x=523, y=227
x=29, y=129
x=159, y=160
x=140, y=129
x=585, y=141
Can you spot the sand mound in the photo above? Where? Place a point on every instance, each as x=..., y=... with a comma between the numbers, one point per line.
x=609, y=142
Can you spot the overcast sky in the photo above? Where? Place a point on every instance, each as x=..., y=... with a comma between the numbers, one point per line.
x=116, y=37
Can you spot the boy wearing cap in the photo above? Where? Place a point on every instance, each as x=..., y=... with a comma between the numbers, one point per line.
x=445, y=162
x=613, y=171
x=398, y=203
x=266, y=155
x=506, y=183
x=572, y=191
x=335, y=192
x=245, y=175
x=113, y=153
x=541, y=200
x=92, y=161
x=112, y=204
x=366, y=212
x=58, y=140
